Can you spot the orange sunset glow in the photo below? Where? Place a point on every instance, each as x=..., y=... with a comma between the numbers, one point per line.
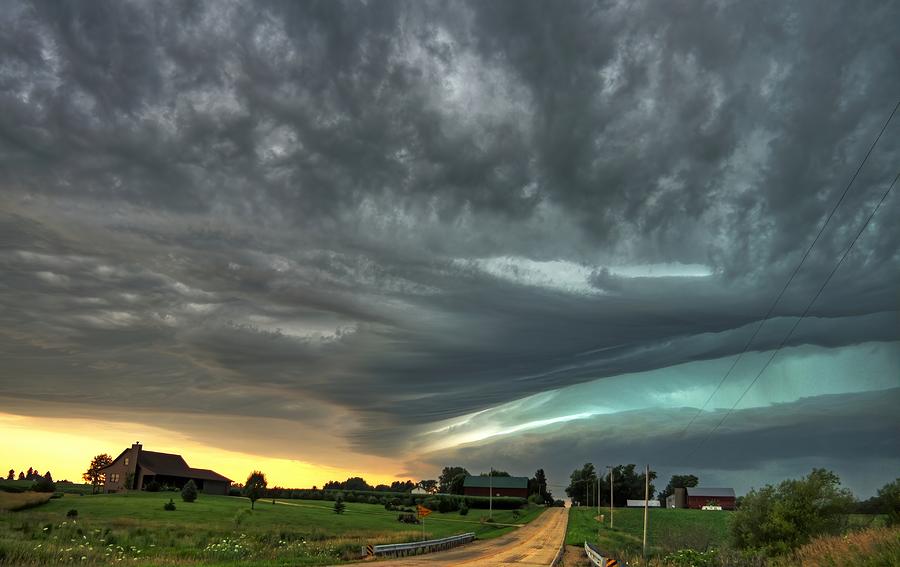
x=66, y=446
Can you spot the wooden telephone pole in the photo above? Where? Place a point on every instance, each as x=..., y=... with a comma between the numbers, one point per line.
x=611, y=505
x=646, y=507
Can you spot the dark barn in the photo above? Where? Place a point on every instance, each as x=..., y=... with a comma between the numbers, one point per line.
x=501, y=485
x=699, y=497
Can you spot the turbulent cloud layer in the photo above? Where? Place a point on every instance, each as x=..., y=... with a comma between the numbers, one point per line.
x=368, y=221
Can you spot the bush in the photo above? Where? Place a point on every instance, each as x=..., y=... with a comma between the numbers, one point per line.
x=463, y=510
x=169, y=506
x=153, y=486
x=189, y=492
x=776, y=520
x=73, y=513
x=373, y=500
x=350, y=498
x=889, y=500
x=408, y=518
x=447, y=505
x=43, y=485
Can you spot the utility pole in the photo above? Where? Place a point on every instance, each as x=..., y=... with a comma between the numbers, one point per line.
x=646, y=507
x=598, y=496
x=491, y=495
x=611, y=505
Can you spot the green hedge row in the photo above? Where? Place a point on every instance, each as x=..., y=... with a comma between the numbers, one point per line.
x=439, y=502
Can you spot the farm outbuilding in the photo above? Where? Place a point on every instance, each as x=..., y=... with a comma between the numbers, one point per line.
x=501, y=486
x=697, y=497
x=139, y=468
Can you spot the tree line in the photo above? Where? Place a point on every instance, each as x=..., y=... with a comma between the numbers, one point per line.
x=32, y=474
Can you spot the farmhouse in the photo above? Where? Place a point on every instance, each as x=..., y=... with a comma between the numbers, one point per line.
x=139, y=468
x=501, y=485
x=698, y=497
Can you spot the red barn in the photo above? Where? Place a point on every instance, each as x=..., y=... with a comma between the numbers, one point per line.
x=698, y=497
x=501, y=486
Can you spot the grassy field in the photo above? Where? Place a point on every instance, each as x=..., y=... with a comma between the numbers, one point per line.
x=66, y=487
x=215, y=530
x=12, y=501
x=669, y=529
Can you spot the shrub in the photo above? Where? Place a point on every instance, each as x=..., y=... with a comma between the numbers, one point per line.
x=189, y=492
x=692, y=558
x=73, y=513
x=350, y=498
x=153, y=486
x=339, y=505
x=373, y=500
x=169, y=506
x=463, y=510
x=408, y=518
x=388, y=506
x=889, y=498
x=448, y=505
x=43, y=485
x=776, y=520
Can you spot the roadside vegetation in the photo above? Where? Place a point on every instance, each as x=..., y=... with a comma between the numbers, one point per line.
x=807, y=521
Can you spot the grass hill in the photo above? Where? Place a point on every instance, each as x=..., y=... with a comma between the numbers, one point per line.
x=216, y=530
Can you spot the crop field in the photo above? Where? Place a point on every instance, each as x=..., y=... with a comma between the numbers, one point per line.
x=216, y=530
x=668, y=529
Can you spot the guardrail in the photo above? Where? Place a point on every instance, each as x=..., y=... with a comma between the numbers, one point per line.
x=597, y=558
x=419, y=547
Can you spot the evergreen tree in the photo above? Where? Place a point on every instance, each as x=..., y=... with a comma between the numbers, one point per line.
x=189, y=492
x=339, y=505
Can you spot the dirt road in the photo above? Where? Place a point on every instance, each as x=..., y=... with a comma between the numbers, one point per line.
x=535, y=544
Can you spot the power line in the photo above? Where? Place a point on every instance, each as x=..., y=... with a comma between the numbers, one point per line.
x=802, y=316
x=793, y=274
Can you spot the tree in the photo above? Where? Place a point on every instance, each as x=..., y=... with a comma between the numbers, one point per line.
x=458, y=484
x=402, y=485
x=11, y=475
x=21, y=475
x=42, y=484
x=189, y=492
x=538, y=485
x=356, y=483
x=678, y=481
x=889, y=501
x=255, y=487
x=30, y=474
x=94, y=476
x=580, y=479
x=339, y=505
x=429, y=486
x=447, y=477
x=495, y=473
x=48, y=476
x=776, y=520
x=627, y=485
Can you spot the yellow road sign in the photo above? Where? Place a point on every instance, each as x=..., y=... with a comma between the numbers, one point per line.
x=422, y=511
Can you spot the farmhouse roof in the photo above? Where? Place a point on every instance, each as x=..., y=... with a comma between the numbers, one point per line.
x=497, y=482
x=711, y=492
x=170, y=464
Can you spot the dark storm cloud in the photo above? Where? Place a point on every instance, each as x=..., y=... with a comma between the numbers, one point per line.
x=413, y=211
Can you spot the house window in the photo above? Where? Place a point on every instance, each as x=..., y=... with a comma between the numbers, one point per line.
x=114, y=477
x=126, y=461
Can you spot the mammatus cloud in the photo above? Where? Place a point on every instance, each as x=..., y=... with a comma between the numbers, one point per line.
x=366, y=221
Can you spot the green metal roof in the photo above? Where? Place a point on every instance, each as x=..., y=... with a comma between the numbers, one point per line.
x=498, y=482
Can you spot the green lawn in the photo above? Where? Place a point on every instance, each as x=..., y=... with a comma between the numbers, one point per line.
x=668, y=529
x=215, y=530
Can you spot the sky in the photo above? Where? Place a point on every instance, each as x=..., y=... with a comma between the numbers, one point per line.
x=378, y=238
